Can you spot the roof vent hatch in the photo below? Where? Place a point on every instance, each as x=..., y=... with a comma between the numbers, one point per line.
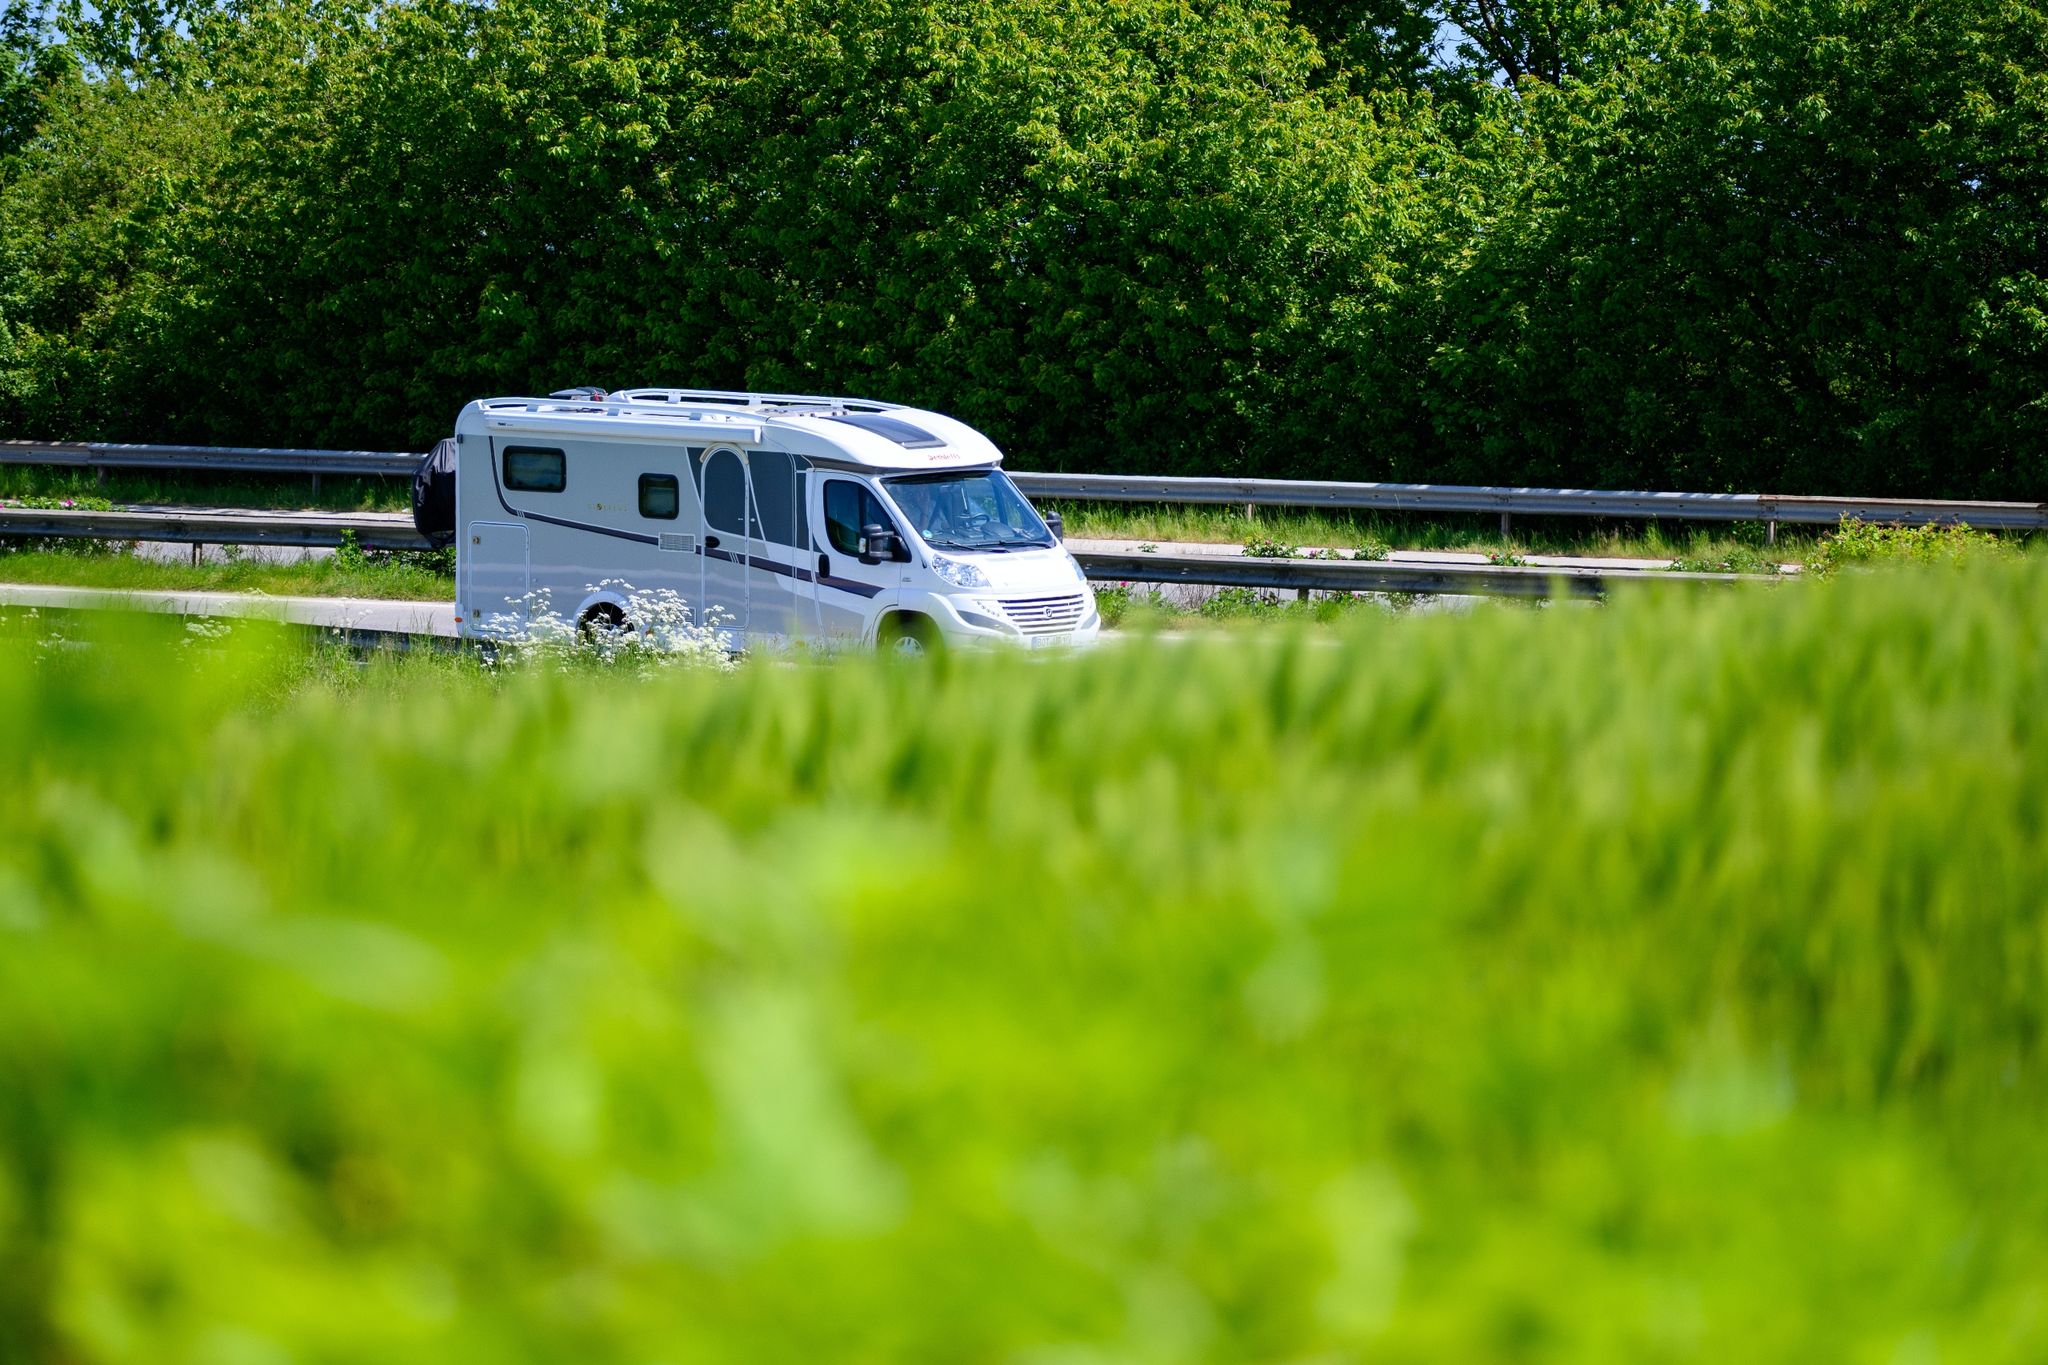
x=890, y=428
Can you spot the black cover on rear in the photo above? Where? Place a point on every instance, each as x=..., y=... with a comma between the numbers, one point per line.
x=433, y=494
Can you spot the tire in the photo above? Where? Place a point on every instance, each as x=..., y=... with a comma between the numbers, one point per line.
x=604, y=617
x=908, y=636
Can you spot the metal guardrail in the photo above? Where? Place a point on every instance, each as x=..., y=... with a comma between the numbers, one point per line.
x=1324, y=575
x=212, y=459
x=1984, y=516
x=1390, y=497
x=372, y=530
x=394, y=531
x=1770, y=508
x=1548, y=502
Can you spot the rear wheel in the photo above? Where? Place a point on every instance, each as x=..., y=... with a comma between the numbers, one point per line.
x=602, y=619
x=907, y=636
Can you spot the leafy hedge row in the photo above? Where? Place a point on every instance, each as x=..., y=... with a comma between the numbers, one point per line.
x=1772, y=244
x=1657, y=983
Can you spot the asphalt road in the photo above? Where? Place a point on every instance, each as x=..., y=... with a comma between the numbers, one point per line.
x=327, y=613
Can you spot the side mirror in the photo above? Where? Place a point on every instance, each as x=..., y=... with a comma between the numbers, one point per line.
x=1056, y=524
x=878, y=542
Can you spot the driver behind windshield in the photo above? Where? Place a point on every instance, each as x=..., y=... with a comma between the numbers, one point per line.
x=967, y=512
x=945, y=512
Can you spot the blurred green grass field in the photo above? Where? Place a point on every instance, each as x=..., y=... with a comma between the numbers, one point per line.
x=1660, y=982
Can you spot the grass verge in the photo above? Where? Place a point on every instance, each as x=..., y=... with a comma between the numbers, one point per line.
x=1663, y=982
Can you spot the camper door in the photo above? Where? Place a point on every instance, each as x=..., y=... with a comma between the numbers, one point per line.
x=780, y=602
x=755, y=528
x=727, y=522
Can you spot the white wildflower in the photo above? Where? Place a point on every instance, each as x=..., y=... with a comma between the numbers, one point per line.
x=658, y=632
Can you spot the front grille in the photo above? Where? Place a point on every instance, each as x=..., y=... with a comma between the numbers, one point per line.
x=1040, y=615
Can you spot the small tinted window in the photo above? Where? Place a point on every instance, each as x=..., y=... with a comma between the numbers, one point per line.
x=660, y=496
x=535, y=469
x=848, y=507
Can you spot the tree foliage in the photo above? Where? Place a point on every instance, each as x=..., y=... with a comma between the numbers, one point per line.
x=1775, y=243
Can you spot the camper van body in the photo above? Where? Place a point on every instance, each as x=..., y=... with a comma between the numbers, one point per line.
x=775, y=517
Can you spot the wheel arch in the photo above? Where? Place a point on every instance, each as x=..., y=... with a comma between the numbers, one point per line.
x=897, y=622
x=601, y=603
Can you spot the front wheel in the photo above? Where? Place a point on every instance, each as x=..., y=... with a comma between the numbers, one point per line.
x=907, y=636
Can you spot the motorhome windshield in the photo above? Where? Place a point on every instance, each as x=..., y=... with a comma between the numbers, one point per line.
x=969, y=509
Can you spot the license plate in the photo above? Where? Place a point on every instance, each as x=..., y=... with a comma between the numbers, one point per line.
x=1052, y=641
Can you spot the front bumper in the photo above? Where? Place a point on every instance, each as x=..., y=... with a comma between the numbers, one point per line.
x=968, y=622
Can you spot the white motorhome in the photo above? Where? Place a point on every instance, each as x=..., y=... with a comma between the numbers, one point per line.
x=780, y=516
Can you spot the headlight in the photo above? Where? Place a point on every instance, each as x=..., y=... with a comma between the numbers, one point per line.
x=959, y=572
x=976, y=619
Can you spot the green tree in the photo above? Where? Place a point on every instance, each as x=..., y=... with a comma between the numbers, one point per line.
x=1107, y=232
x=31, y=60
x=1382, y=42
x=1773, y=243
x=1778, y=244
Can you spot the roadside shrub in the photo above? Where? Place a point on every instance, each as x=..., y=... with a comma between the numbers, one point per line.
x=1860, y=543
x=1235, y=603
x=349, y=556
x=1738, y=559
x=65, y=545
x=42, y=503
x=1264, y=547
x=1112, y=600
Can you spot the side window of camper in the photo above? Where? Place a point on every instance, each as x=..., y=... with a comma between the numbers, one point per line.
x=660, y=496
x=535, y=469
x=775, y=487
x=848, y=507
x=725, y=493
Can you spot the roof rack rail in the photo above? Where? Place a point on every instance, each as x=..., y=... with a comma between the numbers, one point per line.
x=614, y=405
x=732, y=398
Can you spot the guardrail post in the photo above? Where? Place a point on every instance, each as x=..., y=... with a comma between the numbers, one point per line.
x=1770, y=533
x=1248, y=512
x=1507, y=524
x=316, y=487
